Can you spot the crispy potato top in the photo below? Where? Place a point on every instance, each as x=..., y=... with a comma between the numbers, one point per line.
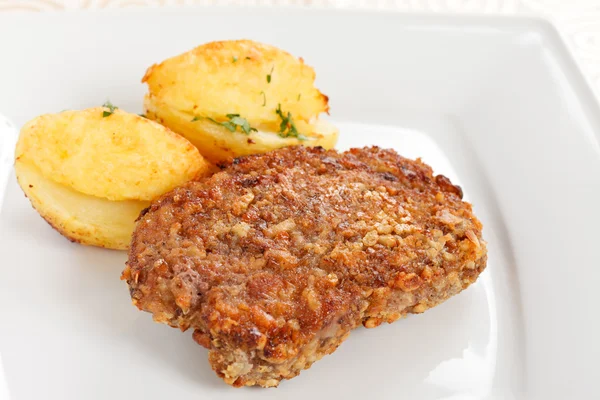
x=241, y=76
x=118, y=157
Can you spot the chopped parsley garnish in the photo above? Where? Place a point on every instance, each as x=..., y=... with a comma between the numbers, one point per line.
x=269, y=75
x=143, y=115
x=264, y=98
x=299, y=94
x=235, y=121
x=287, y=128
x=111, y=109
x=234, y=59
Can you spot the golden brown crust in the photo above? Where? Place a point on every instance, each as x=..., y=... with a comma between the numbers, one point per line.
x=219, y=67
x=274, y=260
x=120, y=157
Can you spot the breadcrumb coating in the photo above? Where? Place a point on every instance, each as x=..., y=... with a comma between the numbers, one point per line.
x=275, y=259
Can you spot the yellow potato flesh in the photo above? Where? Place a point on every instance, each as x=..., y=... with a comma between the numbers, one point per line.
x=80, y=217
x=217, y=143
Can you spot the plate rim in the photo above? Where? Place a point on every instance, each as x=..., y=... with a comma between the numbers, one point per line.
x=556, y=44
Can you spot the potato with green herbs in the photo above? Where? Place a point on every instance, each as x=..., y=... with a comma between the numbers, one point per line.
x=90, y=173
x=234, y=98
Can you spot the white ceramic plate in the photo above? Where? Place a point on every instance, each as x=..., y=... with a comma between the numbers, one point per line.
x=496, y=104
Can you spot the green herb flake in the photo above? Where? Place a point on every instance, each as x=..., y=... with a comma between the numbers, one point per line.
x=299, y=94
x=143, y=115
x=111, y=109
x=229, y=125
x=270, y=73
x=264, y=98
x=248, y=58
x=235, y=122
x=287, y=128
x=196, y=119
x=234, y=59
x=242, y=123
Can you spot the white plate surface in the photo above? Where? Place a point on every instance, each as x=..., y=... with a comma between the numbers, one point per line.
x=495, y=104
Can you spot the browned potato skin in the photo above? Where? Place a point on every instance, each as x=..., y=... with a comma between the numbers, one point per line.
x=240, y=77
x=90, y=176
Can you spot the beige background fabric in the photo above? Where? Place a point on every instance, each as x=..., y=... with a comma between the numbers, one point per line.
x=578, y=20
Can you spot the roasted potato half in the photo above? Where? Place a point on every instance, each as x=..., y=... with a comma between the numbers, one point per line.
x=234, y=98
x=89, y=173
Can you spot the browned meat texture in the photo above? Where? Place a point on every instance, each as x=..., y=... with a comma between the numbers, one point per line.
x=274, y=260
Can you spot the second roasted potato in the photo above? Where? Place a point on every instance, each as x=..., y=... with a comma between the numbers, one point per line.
x=89, y=173
x=235, y=98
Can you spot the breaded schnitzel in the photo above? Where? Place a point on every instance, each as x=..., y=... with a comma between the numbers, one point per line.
x=275, y=259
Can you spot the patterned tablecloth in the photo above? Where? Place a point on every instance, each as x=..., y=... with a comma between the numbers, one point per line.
x=578, y=20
